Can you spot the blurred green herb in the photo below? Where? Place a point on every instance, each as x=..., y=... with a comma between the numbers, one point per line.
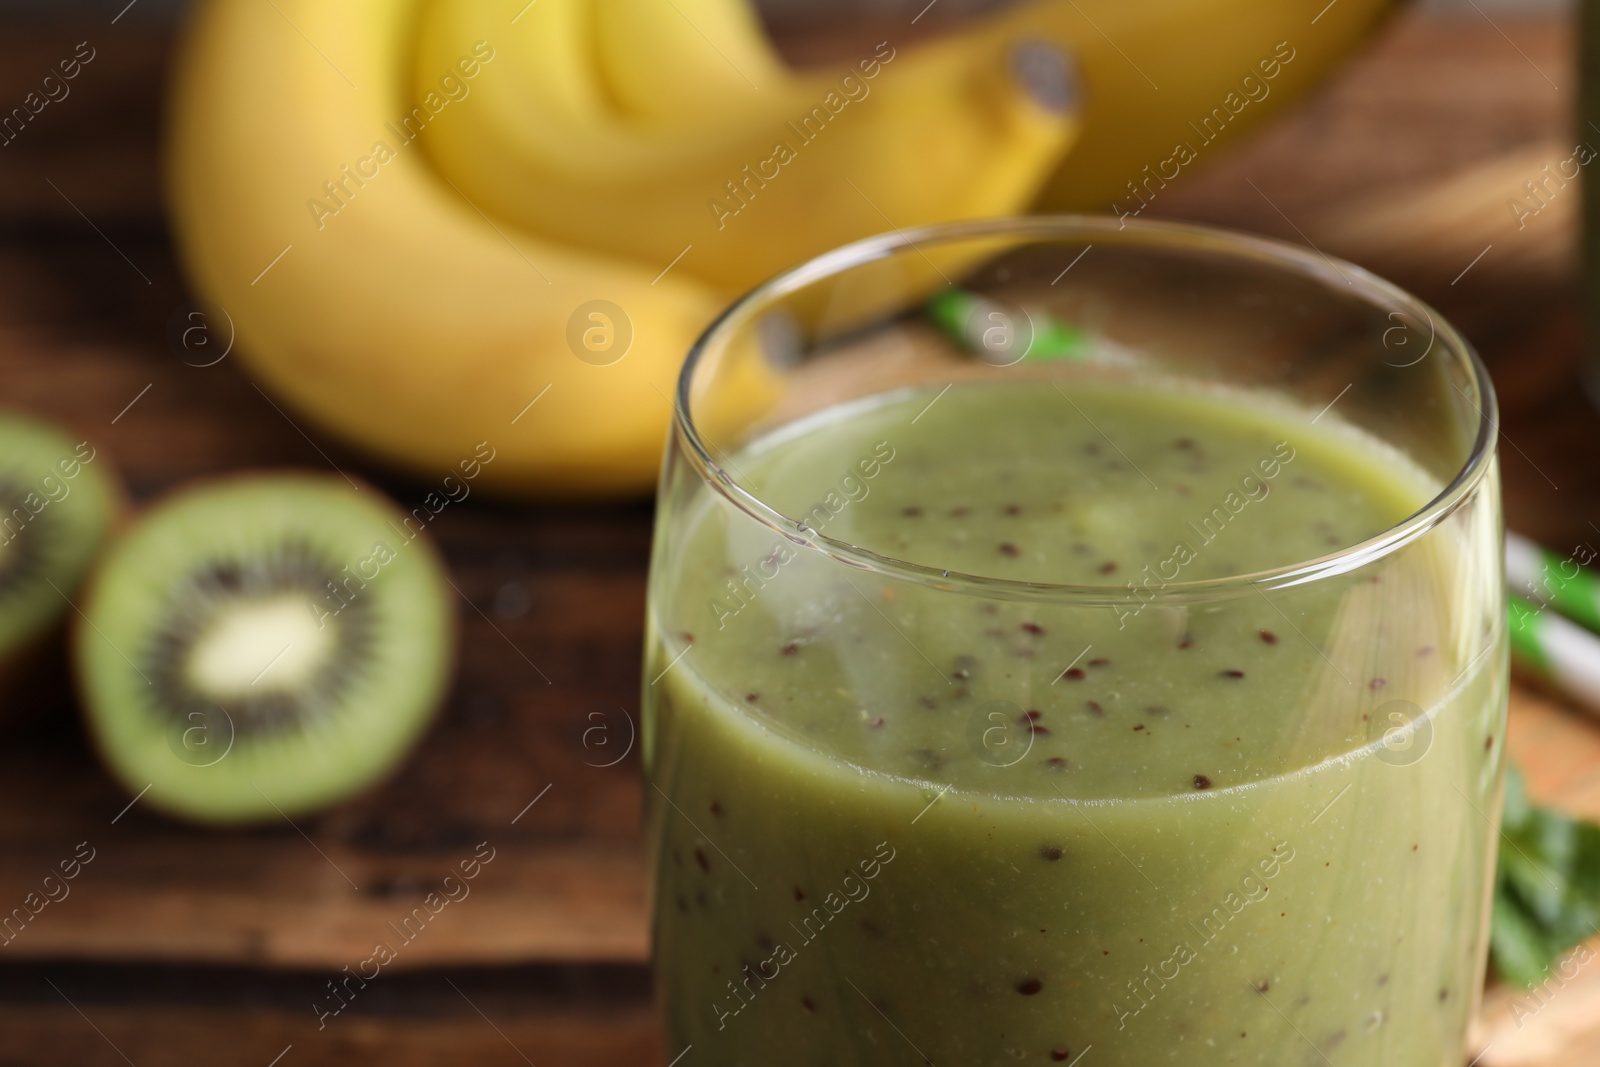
x=1547, y=886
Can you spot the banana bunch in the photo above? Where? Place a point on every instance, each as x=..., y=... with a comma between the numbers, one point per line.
x=425, y=215
x=439, y=223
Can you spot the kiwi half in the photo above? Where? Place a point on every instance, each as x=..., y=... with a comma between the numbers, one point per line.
x=58, y=501
x=263, y=646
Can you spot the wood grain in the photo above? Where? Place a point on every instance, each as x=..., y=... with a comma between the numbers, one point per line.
x=165, y=1017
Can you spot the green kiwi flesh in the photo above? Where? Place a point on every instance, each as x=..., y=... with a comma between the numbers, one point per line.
x=57, y=505
x=263, y=647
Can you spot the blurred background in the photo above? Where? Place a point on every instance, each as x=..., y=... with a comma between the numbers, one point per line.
x=179, y=945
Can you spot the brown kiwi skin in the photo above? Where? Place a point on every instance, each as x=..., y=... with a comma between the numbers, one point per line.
x=91, y=590
x=36, y=675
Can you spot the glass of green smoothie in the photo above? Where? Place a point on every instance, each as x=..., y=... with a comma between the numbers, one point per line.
x=1075, y=642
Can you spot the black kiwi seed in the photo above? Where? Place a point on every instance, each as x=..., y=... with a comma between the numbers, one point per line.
x=209, y=592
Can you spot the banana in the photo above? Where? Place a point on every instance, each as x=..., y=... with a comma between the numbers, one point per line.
x=773, y=175
x=397, y=307
x=716, y=54
x=1167, y=78
x=374, y=298
x=1157, y=75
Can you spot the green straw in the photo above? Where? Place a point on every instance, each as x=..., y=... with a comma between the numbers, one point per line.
x=1558, y=581
x=965, y=317
x=1557, y=650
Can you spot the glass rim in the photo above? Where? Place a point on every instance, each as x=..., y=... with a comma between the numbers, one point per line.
x=1308, y=262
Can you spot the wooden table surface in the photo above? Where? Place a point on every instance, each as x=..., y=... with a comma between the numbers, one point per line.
x=178, y=946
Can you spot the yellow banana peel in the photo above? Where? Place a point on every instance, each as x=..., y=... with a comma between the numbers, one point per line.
x=1170, y=82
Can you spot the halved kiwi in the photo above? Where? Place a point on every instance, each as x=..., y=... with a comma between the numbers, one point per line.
x=58, y=501
x=263, y=646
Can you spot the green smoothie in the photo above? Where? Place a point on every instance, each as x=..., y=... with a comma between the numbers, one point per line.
x=899, y=823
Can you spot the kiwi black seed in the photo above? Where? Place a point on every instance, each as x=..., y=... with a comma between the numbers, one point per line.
x=58, y=502
x=263, y=646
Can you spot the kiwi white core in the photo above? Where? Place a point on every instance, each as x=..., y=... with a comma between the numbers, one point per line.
x=260, y=645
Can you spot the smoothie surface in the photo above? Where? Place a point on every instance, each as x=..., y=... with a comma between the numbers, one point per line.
x=1086, y=484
